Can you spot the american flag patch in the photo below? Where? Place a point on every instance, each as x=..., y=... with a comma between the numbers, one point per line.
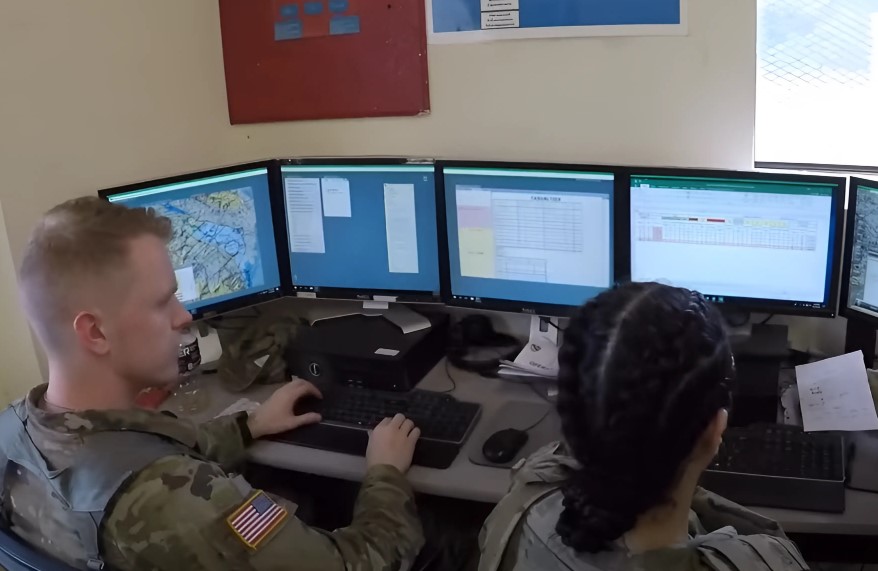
x=258, y=517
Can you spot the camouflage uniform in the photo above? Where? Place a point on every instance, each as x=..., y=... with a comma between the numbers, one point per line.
x=173, y=514
x=519, y=535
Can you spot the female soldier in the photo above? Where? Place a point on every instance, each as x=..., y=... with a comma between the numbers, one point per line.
x=644, y=392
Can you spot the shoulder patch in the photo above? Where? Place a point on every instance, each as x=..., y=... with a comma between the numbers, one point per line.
x=256, y=519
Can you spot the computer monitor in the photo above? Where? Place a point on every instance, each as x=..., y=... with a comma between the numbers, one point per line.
x=223, y=247
x=532, y=238
x=751, y=241
x=860, y=273
x=859, y=292
x=362, y=229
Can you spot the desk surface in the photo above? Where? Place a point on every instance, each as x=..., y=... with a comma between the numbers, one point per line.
x=466, y=480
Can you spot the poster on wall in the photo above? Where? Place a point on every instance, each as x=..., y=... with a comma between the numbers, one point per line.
x=467, y=21
x=301, y=60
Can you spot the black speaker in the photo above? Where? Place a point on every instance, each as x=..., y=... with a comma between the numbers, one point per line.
x=474, y=345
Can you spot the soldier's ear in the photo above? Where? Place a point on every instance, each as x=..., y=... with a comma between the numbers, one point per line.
x=709, y=443
x=89, y=333
x=716, y=430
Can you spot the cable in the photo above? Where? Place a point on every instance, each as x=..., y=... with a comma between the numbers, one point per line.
x=450, y=378
x=561, y=329
x=537, y=423
x=766, y=320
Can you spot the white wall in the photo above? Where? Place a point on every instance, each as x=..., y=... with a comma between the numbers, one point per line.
x=96, y=93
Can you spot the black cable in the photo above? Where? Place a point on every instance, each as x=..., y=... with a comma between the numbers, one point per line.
x=766, y=320
x=450, y=378
x=561, y=329
x=537, y=423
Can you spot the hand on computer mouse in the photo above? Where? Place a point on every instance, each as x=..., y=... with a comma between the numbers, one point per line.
x=393, y=442
x=277, y=415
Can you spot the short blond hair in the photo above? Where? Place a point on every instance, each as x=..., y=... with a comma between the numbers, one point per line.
x=79, y=240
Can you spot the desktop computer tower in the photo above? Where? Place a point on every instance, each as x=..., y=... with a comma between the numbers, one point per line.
x=368, y=352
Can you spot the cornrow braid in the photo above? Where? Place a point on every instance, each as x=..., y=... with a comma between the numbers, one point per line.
x=643, y=370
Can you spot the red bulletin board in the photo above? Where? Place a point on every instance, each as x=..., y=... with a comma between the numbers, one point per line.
x=288, y=60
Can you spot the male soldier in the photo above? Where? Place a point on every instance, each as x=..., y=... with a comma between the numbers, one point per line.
x=90, y=479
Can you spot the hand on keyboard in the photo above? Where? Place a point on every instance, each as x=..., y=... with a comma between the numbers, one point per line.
x=277, y=413
x=393, y=442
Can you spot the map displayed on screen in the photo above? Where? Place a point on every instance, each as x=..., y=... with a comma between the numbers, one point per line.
x=215, y=247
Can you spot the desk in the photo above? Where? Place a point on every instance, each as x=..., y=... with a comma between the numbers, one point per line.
x=468, y=481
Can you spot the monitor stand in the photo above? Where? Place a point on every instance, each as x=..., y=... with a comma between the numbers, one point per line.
x=758, y=358
x=861, y=337
x=403, y=317
x=407, y=319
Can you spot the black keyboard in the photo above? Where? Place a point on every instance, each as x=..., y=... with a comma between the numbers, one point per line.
x=780, y=466
x=348, y=413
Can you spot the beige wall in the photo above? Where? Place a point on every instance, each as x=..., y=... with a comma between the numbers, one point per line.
x=95, y=93
x=686, y=101
x=18, y=363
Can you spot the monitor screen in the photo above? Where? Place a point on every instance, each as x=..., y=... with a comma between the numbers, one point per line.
x=862, y=292
x=753, y=242
x=528, y=239
x=223, y=246
x=362, y=230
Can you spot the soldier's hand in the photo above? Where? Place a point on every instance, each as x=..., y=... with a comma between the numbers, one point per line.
x=277, y=413
x=393, y=442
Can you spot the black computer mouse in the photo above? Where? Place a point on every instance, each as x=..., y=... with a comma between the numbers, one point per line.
x=502, y=446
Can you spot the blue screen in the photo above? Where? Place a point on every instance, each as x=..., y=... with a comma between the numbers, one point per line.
x=223, y=246
x=362, y=227
x=529, y=236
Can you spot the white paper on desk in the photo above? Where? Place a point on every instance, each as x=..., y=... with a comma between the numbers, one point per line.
x=508, y=372
x=541, y=359
x=540, y=355
x=240, y=405
x=834, y=395
x=336, y=198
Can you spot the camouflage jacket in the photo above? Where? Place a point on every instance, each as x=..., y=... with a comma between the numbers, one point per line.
x=519, y=535
x=177, y=513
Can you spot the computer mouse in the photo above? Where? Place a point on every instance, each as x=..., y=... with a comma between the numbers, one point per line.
x=502, y=446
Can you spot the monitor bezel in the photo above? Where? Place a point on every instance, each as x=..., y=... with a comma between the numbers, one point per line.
x=850, y=217
x=356, y=294
x=619, y=236
x=769, y=306
x=243, y=301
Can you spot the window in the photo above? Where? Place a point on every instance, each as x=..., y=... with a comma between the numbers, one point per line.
x=817, y=85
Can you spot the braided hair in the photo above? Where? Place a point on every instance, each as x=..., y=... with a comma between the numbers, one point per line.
x=644, y=369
